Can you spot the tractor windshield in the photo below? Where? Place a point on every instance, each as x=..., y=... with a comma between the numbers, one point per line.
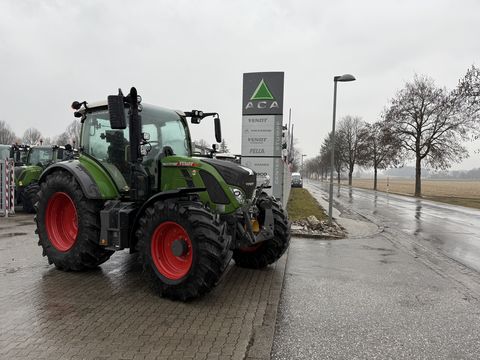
x=40, y=156
x=112, y=147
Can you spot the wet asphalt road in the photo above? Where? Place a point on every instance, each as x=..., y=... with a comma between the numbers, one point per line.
x=398, y=287
x=452, y=230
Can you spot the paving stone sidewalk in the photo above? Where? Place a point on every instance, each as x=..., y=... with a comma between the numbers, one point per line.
x=111, y=313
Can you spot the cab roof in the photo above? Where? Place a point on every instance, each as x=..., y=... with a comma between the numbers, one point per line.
x=103, y=105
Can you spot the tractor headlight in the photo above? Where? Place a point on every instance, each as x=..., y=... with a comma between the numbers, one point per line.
x=239, y=195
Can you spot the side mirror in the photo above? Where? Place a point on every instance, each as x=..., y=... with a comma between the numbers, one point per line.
x=218, y=129
x=116, y=110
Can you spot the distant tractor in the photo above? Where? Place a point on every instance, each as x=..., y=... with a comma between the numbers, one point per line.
x=134, y=184
x=28, y=173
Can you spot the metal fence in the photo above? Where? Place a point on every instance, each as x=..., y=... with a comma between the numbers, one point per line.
x=7, y=187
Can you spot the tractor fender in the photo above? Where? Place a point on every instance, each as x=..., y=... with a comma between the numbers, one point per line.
x=88, y=185
x=164, y=195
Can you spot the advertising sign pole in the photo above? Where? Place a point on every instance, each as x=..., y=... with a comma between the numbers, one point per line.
x=262, y=120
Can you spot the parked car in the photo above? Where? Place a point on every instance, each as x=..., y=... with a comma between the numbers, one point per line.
x=297, y=180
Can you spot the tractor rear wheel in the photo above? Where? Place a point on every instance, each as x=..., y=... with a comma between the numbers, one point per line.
x=267, y=252
x=30, y=197
x=68, y=224
x=182, y=248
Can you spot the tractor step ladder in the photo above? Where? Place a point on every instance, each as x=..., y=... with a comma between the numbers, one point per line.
x=7, y=187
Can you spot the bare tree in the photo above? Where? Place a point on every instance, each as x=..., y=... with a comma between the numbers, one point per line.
x=325, y=154
x=324, y=166
x=47, y=141
x=7, y=136
x=201, y=146
x=223, y=148
x=432, y=123
x=31, y=136
x=71, y=135
x=349, y=139
x=314, y=168
x=380, y=148
x=295, y=156
x=73, y=131
x=468, y=91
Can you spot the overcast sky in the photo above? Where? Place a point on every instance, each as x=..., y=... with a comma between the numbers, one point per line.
x=192, y=54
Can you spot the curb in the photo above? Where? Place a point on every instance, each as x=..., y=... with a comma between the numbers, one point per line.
x=261, y=342
x=317, y=236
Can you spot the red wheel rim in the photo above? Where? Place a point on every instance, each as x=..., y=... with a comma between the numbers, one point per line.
x=61, y=221
x=171, y=266
x=250, y=249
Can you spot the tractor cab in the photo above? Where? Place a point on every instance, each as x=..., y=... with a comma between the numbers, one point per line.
x=26, y=175
x=40, y=156
x=20, y=154
x=164, y=132
x=45, y=155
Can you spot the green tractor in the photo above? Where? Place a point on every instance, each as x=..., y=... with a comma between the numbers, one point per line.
x=134, y=184
x=28, y=172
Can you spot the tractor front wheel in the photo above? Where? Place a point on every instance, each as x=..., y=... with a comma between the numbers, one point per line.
x=267, y=252
x=30, y=197
x=182, y=248
x=68, y=224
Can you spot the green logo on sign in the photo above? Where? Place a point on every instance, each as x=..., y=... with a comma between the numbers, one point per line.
x=262, y=92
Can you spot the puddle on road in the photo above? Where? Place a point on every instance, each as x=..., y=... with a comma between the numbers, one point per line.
x=13, y=234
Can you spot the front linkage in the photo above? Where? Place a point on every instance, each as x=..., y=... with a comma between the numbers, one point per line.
x=261, y=231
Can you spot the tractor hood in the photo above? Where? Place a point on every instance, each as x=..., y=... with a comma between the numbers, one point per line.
x=18, y=171
x=235, y=175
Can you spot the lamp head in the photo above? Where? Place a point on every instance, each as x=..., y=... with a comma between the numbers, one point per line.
x=344, y=78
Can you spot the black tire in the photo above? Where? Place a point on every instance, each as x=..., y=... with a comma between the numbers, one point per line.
x=269, y=251
x=85, y=252
x=30, y=197
x=207, y=247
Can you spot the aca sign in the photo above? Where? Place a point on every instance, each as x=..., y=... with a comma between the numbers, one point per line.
x=263, y=93
x=262, y=127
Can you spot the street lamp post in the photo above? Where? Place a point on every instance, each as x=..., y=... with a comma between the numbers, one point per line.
x=342, y=78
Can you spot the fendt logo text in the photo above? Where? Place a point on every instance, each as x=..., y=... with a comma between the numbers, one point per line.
x=262, y=98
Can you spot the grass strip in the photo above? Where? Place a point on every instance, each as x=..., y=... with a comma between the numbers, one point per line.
x=302, y=204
